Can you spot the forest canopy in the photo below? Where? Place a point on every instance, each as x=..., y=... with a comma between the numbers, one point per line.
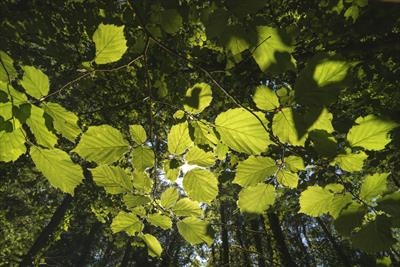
x=199, y=133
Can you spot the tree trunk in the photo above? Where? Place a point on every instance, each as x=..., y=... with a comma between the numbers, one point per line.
x=167, y=256
x=127, y=254
x=285, y=256
x=86, y=246
x=224, y=236
x=336, y=246
x=47, y=232
x=239, y=237
x=255, y=226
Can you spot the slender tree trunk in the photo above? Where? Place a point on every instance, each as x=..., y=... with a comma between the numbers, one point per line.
x=127, y=254
x=269, y=247
x=239, y=237
x=86, y=247
x=167, y=256
x=47, y=232
x=274, y=223
x=224, y=235
x=336, y=246
x=255, y=226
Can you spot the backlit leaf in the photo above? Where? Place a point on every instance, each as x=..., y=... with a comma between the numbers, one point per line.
x=138, y=133
x=256, y=199
x=114, y=179
x=110, y=43
x=203, y=133
x=7, y=70
x=153, y=245
x=142, y=157
x=254, y=170
x=35, y=82
x=37, y=125
x=179, y=139
x=349, y=218
x=265, y=98
x=187, y=207
x=201, y=185
x=159, y=220
x=127, y=222
x=194, y=230
x=12, y=144
x=371, y=133
x=169, y=197
x=102, y=144
x=58, y=168
x=142, y=181
x=242, y=131
x=197, y=98
x=65, y=122
x=350, y=162
x=287, y=178
x=197, y=156
x=373, y=186
x=133, y=201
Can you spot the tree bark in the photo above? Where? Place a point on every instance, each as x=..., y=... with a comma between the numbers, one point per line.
x=224, y=235
x=86, y=246
x=47, y=232
x=336, y=246
x=255, y=226
x=127, y=254
x=239, y=237
x=285, y=256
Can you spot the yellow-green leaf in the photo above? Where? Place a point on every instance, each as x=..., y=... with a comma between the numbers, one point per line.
x=12, y=144
x=114, y=179
x=35, y=82
x=127, y=222
x=194, y=230
x=153, y=245
x=201, y=185
x=197, y=156
x=159, y=220
x=142, y=158
x=110, y=43
x=287, y=178
x=7, y=70
x=37, y=125
x=351, y=162
x=265, y=98
x=197, y=98
x=138, y=133
x=58, y=168
x=169, y=197
x=187, y=207
x=256, y=199
x=254, y=170
x=373, y=186
x=179, y=138
x=242, y=131
x=102, y=144
x=371, y=133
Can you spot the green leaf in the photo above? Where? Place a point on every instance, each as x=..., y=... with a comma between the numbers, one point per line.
x=35, y=82
x=287, y=178
x=171, y=21
x=374, y=236
x=138, y=133
x=133, y=201
x=349, y=218
x=323, y=142
x=114, y=179
x=265, y=98
x=179, y=139
x=65, y=122
x=221, y=150
x=203, y=133
x=37, y=125
x=171, y=169
x=351, y=162
x=127, y=222
x=7, y=70
x=12, y=144
x=254, y=170
x=315, y=201
x=288, y=130
x=187, y=207
x=242, y=131
x=160, y=220
x=197, y=156
x=294, y=163
x=371, y=133
x=256, y=199
x=13, y=97
x=142, y=158
x=169, y=197
x=153, y=245
x=273, y=50
x=102, y=144
x=194, y=230
x=201, y=185
x=373, y=186
x=110, y=43
x=330, y=72
x=197, y=98
x=142, y=181
x=58, y=168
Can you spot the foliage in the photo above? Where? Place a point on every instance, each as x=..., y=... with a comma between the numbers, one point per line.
x=164, y=116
